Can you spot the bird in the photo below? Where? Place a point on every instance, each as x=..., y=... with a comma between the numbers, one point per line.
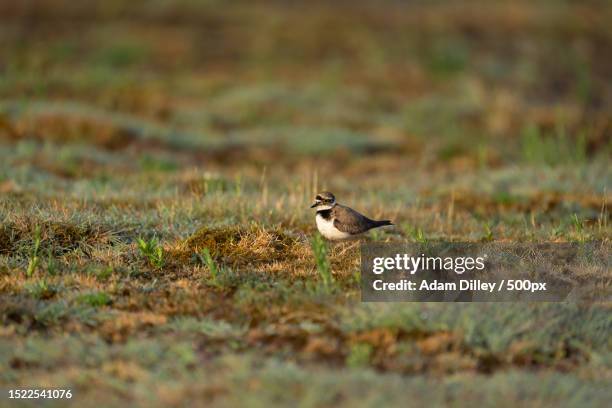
x=337, y=222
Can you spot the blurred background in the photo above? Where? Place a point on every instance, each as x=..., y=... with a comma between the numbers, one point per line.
x=471, y=83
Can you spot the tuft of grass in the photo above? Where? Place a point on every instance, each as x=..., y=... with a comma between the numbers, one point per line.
x=34, y=260
x=359, y=355
x=488, y=233
x=95, y=299
x=152, y=251
x=553, y=150
x=52, y=264
x=40, y=289
x=319, y=247
x=52, y=314
x=102, y=273
x=579, y=227
x=210, y=263
x=417, y=234
x=376, y=234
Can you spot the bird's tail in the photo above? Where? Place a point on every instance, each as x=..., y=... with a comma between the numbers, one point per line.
x=382, y=223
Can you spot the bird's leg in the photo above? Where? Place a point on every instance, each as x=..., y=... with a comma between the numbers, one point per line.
x=354, y=244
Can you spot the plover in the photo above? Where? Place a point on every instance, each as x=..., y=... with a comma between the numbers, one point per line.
x=337, y=222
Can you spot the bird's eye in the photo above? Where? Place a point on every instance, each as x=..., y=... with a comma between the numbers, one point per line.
x=318, y=198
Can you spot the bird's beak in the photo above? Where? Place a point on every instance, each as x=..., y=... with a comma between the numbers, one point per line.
x=314, y=205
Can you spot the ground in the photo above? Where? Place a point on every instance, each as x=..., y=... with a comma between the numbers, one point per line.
x=158, y=160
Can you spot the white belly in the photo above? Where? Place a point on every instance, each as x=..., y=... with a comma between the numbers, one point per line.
x=327, y=229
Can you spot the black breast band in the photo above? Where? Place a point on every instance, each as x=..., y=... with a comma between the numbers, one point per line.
x=326, y=214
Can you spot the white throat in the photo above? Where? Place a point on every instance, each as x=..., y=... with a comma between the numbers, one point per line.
x=323, y=207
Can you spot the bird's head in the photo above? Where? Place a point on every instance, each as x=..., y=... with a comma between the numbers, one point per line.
x=324, y=201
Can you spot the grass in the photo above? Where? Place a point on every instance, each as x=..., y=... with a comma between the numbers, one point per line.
x=210, y=263
x=152, y=251
x=416, y=234
x=558, y=149
x=40, y=289
x=156, y=245
x=359, y=355
x=33, y=262
x=319, y=249
x=96, y=299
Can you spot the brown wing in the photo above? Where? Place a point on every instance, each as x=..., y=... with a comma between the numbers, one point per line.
x=350, y=221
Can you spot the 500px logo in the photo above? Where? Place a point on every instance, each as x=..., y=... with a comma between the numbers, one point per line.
x=412, y=264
